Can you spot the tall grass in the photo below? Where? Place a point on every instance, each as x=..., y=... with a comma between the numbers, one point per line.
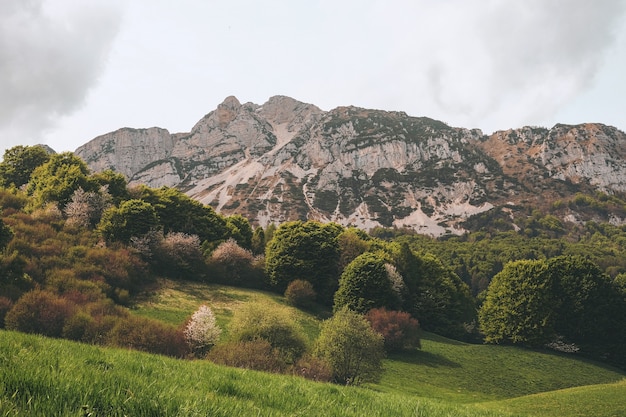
x=47, y=377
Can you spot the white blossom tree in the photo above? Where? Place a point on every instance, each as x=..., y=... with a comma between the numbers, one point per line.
x=202, y=331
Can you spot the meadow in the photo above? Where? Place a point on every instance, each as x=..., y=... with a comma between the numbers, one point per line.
x=50, y=377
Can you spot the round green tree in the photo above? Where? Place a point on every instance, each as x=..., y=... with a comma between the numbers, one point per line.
x=19, y=162
x=365, y=285
x=133, y=218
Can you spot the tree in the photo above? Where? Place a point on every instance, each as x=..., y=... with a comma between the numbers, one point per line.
x=6, y=234
x=239, y=229
x=300, y=293
x=85, y=208
x=115, y=183
x=518, y=307
x=364, y=285
x=304, y=250
x=19, y=163
x=202, y=331
x=235, y=265
x=351, y=347
x=257, y=243
x=56, y=180
x=177, y=212
x=131, y=218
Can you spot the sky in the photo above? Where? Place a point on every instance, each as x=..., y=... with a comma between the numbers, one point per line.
x=71, y=71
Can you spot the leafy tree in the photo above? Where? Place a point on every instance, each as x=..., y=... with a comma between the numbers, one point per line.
x=364, y=285
x=235, y=265
x=304, y=250
x=177, y=212
x=19, y=163
x=352, y=243
x=85, y=208
x=565, y=298
x=518, y=307
x=239, y=229
x=258, y=241
x=115, y=183
x=131, y=218
x=202, y=331
x=57, y=179
x=351, y=347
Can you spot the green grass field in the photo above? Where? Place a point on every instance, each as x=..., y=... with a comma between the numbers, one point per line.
x=46, y=377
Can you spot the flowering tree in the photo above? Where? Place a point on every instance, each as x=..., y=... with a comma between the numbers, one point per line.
x=202, y=331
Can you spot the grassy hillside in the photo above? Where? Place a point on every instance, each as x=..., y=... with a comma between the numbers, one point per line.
x=443, y=369
x=43, y=377
x=47, y=377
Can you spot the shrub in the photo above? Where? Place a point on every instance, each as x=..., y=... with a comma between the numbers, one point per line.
x=258, y=321
x=75, y=327
x=256, y=354
x=235, y=265
x=313, y=368
x=5, y=306
x=150, y=336
x=39, y=312
x=351, y=347
x=180, y=255
x=400, y=331
x=202, y=332
x=300, y=293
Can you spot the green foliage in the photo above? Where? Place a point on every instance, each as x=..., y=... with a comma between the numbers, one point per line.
x=533, y=302
x=351, y=347
x=56, y=180
x=6, y=234
x=304, y=250
x=257, y=243
x=364, y=285
x=518, y=306
x=133, y=218
x=179, y=213
x=18, y=164
x=258, y=321
x=239, y=229
x=115, y=184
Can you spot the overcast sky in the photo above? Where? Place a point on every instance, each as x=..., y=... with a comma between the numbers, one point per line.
x=70, y=70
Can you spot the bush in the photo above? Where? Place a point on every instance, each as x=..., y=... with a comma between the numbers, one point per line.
x=300, y=293
x=180, y=255
x=202, y=332
x=149, y=336
x=39, y=312
x=400, y=331
x=313, y=368
x=351, y=347
x=258, y=321
x=75, y=327
x=256, y=354
x=236, y=266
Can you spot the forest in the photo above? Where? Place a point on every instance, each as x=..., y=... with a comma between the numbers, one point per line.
x=77, y=249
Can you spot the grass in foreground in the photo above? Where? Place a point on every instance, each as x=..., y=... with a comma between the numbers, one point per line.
x=47, y=377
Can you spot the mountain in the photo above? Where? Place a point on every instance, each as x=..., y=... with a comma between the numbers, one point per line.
x=287, y=160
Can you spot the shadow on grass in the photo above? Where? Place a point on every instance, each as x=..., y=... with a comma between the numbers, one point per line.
x=420, y=357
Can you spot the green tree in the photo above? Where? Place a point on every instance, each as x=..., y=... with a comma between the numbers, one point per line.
x=304, y=250
x=365, y=285
x=177, y=212
x=58, y=179
x=351, y=347
x=115, y=183
x=19, y=162
x=258, y=241
x=519, y=305
x=6, y=234
x=239, y=229
x=133, y=218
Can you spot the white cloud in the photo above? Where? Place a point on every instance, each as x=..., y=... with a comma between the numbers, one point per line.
x=51, y=53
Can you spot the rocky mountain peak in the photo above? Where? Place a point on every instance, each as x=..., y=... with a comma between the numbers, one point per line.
x=287, y=160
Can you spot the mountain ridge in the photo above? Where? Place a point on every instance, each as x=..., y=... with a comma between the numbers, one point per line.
x=288, y=160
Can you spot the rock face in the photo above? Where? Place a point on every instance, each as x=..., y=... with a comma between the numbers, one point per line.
x=287, y=160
